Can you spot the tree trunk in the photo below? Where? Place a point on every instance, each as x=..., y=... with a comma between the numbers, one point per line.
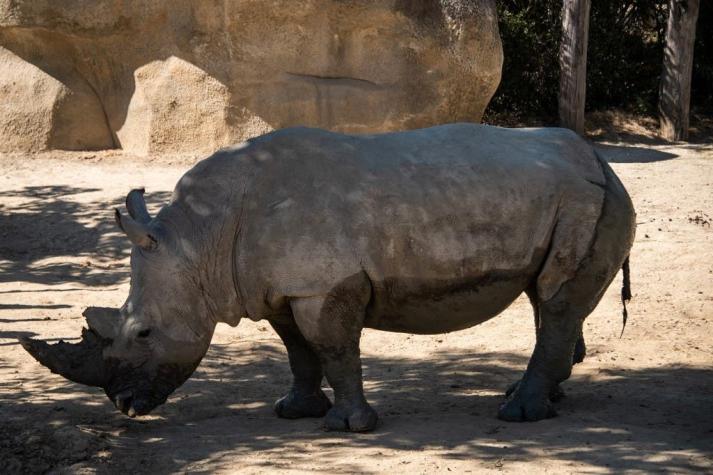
x=573, y=63
x=675, y=91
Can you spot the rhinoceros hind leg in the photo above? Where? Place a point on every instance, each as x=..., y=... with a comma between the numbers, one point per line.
x=305, y=398
x=559, y=331
x=551, y=363
x=557, y=393
x=332, y=325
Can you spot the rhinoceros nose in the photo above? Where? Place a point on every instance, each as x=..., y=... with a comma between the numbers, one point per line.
x=122, y=401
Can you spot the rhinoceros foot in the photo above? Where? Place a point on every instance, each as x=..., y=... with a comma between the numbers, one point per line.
x=360, y=419
x=525, y=405
x=294, y=405
x=556, y=393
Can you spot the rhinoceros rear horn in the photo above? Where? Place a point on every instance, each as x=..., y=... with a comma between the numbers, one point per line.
x=136, y=225
x=79, y=362
x=138, y=233
x=136, y=206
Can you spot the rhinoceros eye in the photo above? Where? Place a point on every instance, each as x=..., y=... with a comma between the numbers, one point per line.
x=144, y=333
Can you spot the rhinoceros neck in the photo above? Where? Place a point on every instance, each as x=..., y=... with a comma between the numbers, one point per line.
x=210, y=223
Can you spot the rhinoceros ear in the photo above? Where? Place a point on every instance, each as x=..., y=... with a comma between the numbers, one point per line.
x=104, y=321
x=139, y=233
x=136, y=206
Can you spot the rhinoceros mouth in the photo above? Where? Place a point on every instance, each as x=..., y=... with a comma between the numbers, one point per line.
x=137, y=392
x=132, y=405
x=123, y=402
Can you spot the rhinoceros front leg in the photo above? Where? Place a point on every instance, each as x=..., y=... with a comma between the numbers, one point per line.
x=332, y=325
x=305, y=398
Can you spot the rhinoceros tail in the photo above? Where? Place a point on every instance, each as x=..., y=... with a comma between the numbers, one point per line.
x=625, y=292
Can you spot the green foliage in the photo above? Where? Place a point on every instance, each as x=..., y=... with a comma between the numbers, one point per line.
x=702, y=82
x=625, y=55
x=625, y=51
x=530, y=33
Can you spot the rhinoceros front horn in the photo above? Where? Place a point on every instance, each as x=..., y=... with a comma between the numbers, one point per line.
x=81, y=362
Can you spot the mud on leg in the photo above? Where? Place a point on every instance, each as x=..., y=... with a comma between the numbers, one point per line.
x=332, y=325
x=305, y=398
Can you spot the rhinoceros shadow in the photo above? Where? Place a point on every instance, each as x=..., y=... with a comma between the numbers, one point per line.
x=53, y=235
x=630, y=154
x=623, y=420
x=445, y=401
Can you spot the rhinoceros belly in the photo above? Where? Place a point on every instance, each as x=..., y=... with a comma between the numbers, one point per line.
x=438, y=306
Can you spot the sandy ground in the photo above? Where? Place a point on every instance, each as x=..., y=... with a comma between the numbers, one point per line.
x=641, y=403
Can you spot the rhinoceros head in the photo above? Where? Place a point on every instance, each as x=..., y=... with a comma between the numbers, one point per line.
x=143, y=351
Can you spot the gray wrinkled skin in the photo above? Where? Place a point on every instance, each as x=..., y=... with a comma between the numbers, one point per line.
x=323, y=234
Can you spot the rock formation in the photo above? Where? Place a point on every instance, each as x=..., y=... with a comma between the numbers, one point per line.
x=174, y=76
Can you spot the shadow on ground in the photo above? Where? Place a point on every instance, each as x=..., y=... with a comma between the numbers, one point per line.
x=618, y=126
x=445, y=403
x=631, y=154
x=53, y=238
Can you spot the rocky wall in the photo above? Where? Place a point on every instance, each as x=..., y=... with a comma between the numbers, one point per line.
x=174, y=76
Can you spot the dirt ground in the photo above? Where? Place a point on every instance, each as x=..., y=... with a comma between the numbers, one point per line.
x=639, y=403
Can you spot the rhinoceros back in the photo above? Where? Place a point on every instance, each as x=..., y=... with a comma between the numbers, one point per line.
x=459, y=217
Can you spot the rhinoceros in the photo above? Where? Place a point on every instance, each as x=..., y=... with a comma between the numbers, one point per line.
x=324, y=234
